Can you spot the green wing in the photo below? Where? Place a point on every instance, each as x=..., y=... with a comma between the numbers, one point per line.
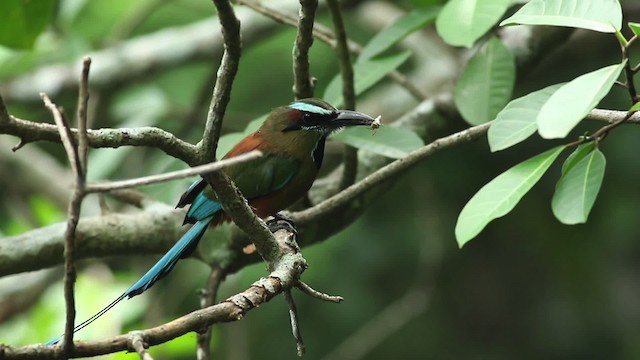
x=265, y=175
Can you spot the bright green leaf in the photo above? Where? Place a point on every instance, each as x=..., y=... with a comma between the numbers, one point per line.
x=388, y=141
x=578, y=188
x=517, y=121
x=597, y=15
x=573, y=101
x=577, y=155
x=635, y=107
x=500, y=195
x=462, y=22
x=367, y=74
x=397, y=31
x=486, y=83
x=635, y=27
x=23, y=21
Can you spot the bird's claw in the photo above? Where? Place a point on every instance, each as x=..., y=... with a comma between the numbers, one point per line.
x=279, y=221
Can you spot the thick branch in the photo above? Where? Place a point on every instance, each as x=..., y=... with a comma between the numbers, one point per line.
x=29, y=131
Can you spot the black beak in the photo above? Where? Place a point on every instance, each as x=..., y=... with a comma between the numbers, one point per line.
x=350, y=118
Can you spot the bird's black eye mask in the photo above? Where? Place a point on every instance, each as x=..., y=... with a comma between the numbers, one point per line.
x=309, y=117
x=308, y=121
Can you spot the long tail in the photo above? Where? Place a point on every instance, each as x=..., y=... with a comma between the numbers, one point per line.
x=182, y=248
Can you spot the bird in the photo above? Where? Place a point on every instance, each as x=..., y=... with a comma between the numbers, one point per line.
x=292, y=141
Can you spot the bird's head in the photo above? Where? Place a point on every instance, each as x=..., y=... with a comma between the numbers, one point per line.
x=317, y=116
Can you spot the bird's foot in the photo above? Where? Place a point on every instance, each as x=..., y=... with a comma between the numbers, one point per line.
x=281, y=221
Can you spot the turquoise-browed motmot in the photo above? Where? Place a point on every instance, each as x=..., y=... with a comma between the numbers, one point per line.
x=292, y=140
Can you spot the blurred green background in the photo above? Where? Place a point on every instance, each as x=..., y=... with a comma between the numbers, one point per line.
x=526, y=288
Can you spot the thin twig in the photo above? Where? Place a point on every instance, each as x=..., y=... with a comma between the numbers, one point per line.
x=173, y=175
x=295, y=325
x=305, y=288
x=302, y=80
x=73, y=214
x=208, y=298
x=387, y=172
x=342, y=52
x=64, y=132
x=628, y=70
x=350, y=153
x=224, y=82
x=83, y=101
x=137, y=343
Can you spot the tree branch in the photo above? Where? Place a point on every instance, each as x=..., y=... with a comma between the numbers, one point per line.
x=208, y=298
x=350, y=154
x=387, y=172
x=283, y=276
x=29, y=131
x=154, y=231
x=173, y=175
x=226, y=73
x=302, y=80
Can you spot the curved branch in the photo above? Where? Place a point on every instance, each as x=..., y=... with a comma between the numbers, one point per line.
x=388, y=172
x=284, y=276
x=29, y=131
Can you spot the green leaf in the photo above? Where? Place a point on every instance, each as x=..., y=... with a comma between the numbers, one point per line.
x=635, y=107
x=389, y=141
x=597, y=15
x=367, y=74
x=573, y=101
x=635, y=27
x=23, y=21
x=577, y=155
x=397, y=31
x=517, y=121
x=486, y=83
x=578, y=188
x=462, y=22
x=500, y=195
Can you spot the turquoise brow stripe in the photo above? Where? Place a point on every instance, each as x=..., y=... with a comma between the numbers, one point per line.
x=310, y=108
